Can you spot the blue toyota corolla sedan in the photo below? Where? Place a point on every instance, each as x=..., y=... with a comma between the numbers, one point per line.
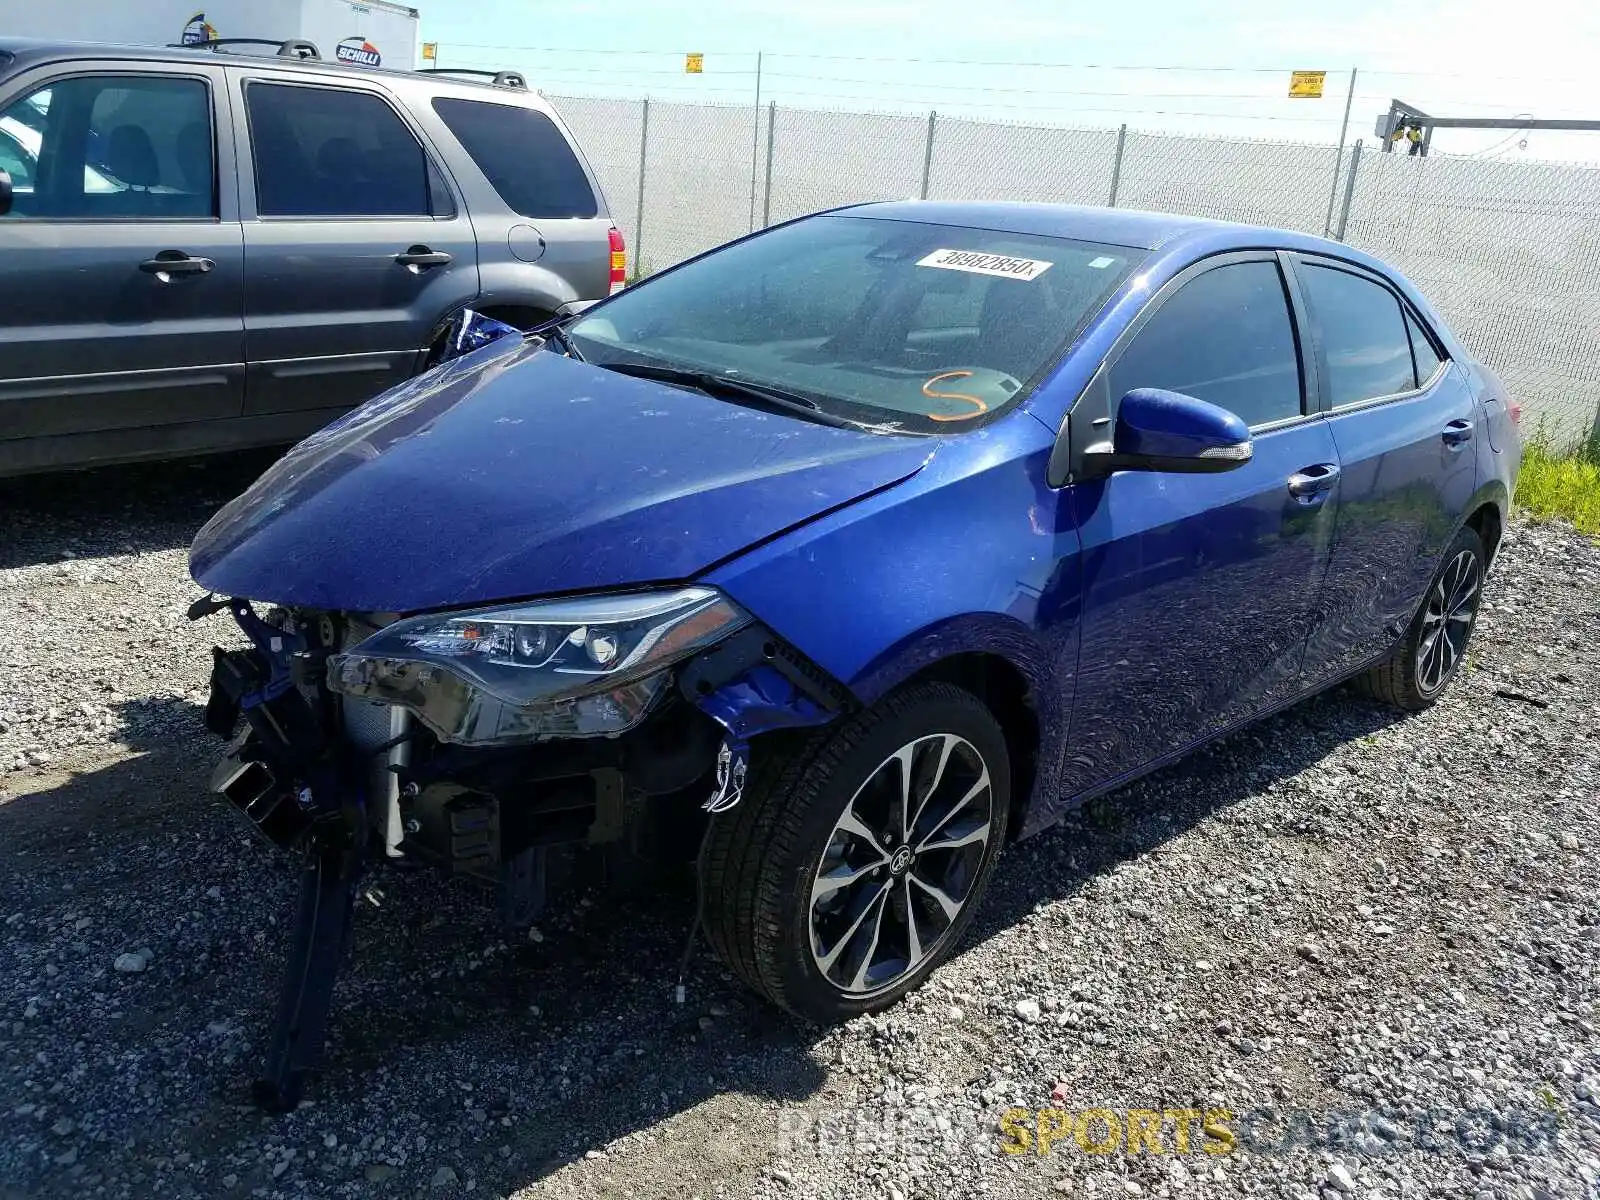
x=837, y=558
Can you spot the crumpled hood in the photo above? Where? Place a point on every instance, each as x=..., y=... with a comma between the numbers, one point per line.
x=517, y=472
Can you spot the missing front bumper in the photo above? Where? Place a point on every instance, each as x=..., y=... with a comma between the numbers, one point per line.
x=354, y=787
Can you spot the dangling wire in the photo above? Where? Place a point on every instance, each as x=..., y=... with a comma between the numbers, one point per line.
x=681, y=991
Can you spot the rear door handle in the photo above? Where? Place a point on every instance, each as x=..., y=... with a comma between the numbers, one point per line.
x=1313, y=481
x=1457, y=432
x=175, y=262
x=421, y=258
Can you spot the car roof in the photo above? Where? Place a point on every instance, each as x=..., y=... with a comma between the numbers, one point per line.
x=1180, y=239
x=31, y=51
x=1129, y=227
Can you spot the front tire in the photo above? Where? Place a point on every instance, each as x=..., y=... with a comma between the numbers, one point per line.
x=1416, y=674
x=852, y=867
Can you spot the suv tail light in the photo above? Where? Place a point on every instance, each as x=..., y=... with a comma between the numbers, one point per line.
x=619, y=261
x=1515, y=411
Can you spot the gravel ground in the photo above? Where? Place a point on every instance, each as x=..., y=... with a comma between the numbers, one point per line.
x=1369, y=939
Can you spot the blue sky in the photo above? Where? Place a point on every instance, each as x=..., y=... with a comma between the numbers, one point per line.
x=968, y=58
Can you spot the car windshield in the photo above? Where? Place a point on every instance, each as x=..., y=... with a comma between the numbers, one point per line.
x=917, y=327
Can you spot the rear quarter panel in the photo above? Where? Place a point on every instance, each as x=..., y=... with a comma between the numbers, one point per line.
x=575, y=263
x=1501, y=455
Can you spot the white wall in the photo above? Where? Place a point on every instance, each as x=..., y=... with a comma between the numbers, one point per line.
x=389, y=27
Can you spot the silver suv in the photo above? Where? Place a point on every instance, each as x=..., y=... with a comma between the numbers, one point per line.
x=202, y=250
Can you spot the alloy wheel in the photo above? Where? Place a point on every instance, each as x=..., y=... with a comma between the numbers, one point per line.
x=1447, y=620
x=900, y=863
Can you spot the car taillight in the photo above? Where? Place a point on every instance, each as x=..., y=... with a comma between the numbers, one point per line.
x=619, y=261
x=1515, y=411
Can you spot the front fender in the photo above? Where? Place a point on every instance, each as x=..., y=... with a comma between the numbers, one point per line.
x=973, y=555
x=992, y=635
x=992, y=649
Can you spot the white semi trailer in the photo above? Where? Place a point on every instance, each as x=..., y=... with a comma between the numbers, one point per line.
x=366, y=33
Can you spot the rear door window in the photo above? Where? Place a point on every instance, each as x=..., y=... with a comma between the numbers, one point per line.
x=1363, y=335
x=523, y=155
x=109, y=147
x=336, y=152
x=1422, y=351
x=1225, y=337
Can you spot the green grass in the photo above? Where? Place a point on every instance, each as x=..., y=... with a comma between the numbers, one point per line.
x=1562, y=485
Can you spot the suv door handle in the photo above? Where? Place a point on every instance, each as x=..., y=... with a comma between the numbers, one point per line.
x=421, y=258
x=1457, y=432
x=175, y=262
x=1310, y=482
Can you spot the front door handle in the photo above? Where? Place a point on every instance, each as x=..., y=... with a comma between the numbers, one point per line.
x=421, y=258
x=1313, y=481
x=1457, y=433
x=175, y=262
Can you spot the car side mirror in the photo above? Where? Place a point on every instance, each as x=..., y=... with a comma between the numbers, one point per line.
x=1158, y=430
x=5, y=192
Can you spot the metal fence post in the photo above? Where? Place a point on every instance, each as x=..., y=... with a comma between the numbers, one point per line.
x=1349, y=190
x=766, y=203
x=638, y=212
x=755, y=143
x=927, y=154
x=1116, y=164
x=1338, y=153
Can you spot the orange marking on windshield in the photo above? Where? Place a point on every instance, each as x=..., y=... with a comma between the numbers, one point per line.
x=927, y=390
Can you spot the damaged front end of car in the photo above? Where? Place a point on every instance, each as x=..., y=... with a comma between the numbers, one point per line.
x=481, y=742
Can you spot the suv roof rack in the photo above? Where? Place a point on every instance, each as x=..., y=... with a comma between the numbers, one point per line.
x=515, y=80
x=292, y=48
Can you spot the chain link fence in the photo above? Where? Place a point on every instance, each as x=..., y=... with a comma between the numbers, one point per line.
x=1510, y=254
x=817, y=164
x=977, y=160
x=1508, y=251
x=1262, y=183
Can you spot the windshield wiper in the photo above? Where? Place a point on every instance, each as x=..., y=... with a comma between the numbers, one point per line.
x=727, y=385
x=555, y=333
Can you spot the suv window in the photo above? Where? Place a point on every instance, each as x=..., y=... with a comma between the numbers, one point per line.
x=1427, y=358
x=111, y=147
x=15, y=161
x=1363, y=335
x=336, y=152
x=523, y=155
x=1226, y=338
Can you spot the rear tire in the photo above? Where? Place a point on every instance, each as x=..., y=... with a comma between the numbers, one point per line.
x=1419, y=669
x=820, y=894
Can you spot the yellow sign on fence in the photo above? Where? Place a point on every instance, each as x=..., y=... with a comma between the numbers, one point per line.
x=1307, y=84
x=694, y=64
x=430, y=51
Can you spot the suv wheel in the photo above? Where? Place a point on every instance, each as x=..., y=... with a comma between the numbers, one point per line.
x=1422, y=666
x=851, y=868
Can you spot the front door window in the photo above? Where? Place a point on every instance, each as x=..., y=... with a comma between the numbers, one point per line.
x=108, y=147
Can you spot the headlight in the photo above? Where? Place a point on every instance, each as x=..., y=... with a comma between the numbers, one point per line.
x=558, y=668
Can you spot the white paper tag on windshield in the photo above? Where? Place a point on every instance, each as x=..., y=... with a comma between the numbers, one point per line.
x=986, y=264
